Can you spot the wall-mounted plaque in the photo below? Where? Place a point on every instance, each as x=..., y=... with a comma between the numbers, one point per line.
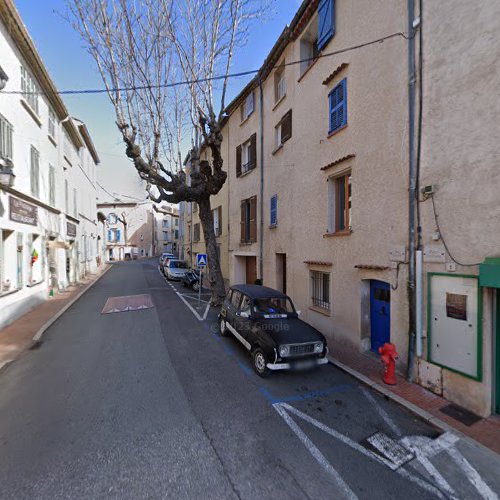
x=20, y=211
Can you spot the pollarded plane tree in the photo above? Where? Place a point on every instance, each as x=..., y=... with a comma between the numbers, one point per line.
x=165, y=66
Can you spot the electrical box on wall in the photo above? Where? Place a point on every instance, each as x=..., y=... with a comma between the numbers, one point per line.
x=397, y=254
x=434, y=253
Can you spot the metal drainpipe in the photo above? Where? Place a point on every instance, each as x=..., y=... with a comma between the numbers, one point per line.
x=261, y=102
x=411, y=191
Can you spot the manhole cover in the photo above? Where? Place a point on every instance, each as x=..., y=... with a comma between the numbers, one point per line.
x=127, y=303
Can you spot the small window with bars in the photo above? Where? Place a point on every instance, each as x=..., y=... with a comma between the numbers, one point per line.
x=320, y=290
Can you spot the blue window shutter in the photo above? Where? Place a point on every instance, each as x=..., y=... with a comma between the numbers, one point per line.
x=110, y=235
x=338, y=106
x=117, y=235
x=274, y=210
x=326, y=22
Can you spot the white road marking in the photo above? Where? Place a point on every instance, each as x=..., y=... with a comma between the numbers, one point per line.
x=385, y=416
x=313, y=450
x=180, y=295
x=429, y=447
x=339, y=436
x=189, y=306
x=361, y=449
x=472, y=475
x=437, y=476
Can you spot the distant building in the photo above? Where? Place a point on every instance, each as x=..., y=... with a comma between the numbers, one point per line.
x=166, y=229
x=128, y=230
x=48, y=223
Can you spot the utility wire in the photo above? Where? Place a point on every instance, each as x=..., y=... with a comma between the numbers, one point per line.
x=212, y=78
x=443, y=240
x=116, y=196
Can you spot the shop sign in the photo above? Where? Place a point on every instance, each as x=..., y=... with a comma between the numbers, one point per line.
x=22, y=212
x=70, y=230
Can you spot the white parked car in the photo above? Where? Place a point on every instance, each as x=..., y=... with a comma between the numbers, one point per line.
x=175, y=269
x=164, y=256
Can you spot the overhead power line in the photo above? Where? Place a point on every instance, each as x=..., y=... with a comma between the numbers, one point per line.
x=212, y=78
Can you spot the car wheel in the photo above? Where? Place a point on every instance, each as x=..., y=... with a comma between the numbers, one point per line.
x=223, y=327
x=259, y=362
x=196, y=286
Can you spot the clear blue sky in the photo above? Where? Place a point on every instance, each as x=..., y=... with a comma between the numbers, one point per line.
x=72, y=68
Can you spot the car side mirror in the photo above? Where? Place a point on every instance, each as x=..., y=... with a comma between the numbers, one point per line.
x=299, y=313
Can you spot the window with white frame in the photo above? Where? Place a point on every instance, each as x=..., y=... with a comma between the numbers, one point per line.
x=6, y=133
x=52, y=123
x=309, y=46
x=29, y=89
x=340, y=203
x=114, y=235
x=52, y=185
x=247, y=108
x=283, y=131
x=75, y=205
x=217, y=216
x=35, y=172
x=320, y=290
x=320, y=31
x=279, y=83
x=246, y=156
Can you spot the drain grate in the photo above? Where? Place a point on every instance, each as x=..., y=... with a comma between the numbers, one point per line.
x=127, y=303
x=464, y=416
x=387, y=448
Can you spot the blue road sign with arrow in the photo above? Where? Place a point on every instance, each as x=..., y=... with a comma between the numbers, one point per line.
x=201, y=260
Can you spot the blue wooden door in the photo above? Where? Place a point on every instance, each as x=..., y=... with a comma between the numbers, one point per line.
x=380, y=313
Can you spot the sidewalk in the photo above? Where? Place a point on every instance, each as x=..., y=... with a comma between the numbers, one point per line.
x=414, y=397
x=26, y=330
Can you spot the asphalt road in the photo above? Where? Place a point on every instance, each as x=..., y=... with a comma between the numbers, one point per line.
x=155, y=404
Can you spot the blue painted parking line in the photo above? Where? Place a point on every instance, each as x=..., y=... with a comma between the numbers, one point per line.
x=308, y=395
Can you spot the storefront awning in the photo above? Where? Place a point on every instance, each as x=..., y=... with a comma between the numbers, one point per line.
x=489, y=272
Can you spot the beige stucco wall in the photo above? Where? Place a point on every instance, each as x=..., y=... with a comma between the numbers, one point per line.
x=376, y=89
x=461, y=134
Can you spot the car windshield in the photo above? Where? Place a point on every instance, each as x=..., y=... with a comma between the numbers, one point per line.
x=178, y=264
x=274, y=305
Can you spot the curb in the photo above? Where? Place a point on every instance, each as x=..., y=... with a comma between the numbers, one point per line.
x=423, y=414
x=41, y=331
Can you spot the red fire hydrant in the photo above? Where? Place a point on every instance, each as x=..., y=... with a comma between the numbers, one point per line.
x=389, y=356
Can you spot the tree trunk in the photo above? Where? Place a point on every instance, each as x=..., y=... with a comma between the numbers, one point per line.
x=216, y=279
x=125, y=233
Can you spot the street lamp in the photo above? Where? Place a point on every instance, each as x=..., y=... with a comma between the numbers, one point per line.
x=6, y=174
x=3, y=78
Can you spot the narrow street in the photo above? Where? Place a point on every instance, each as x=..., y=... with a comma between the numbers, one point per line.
x=155, y=404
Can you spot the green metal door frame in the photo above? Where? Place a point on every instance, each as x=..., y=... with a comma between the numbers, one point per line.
x=497, y=357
